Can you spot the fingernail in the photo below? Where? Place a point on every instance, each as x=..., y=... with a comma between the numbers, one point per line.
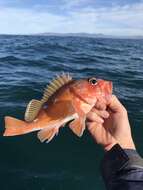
x=101, y=120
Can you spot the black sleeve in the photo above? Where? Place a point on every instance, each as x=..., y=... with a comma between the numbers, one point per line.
x=122, y=169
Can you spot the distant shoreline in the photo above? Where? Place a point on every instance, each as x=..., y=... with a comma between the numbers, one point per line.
x=78, y=35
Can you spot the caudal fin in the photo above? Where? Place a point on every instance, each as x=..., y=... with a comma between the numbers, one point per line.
x=15, y=127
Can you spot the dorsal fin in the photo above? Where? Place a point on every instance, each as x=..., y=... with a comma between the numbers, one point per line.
x=54, y=85
x=32, y=110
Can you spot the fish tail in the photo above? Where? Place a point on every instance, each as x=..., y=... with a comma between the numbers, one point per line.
x=15, y=126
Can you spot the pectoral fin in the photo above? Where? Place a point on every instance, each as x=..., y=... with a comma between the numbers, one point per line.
x=60, y=110
x=78, y=126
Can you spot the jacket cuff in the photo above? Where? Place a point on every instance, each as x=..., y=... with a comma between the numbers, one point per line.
x=135, y=161
x=117, y=159
x=114, y=160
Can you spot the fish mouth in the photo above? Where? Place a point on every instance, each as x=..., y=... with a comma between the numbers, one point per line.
x=111, y=86
x=109, y=92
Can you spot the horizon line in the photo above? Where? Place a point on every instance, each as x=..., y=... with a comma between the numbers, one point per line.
x=82, y=34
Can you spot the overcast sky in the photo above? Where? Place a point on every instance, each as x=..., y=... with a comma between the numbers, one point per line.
x=115, y=17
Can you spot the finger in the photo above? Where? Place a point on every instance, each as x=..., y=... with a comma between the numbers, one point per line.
x=100, y=105
x=91, y=125
x=102, y=113
x=95, y=130
x=100, y=134
x=92, y=116
x=115, y=105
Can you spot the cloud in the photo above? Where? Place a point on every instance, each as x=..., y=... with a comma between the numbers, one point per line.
x=117, y=19
x=24, y=21
x=71, y=4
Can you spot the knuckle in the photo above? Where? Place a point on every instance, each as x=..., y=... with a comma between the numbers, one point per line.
x=124, y=110
x=90, y=125
x=93, y=115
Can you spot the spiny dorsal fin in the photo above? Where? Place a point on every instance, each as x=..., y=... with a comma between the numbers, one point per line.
x=55, y=85
x=32, y=110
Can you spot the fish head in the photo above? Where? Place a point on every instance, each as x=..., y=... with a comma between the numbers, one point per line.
x=93, y=89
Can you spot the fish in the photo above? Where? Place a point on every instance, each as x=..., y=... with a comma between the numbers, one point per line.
x=65, y=100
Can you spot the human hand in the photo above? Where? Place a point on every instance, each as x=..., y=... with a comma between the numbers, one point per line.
x=109, y=125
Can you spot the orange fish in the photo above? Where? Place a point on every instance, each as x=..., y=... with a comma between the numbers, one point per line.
x=63, y=100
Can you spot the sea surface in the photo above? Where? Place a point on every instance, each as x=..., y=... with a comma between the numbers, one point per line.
x=27, y=64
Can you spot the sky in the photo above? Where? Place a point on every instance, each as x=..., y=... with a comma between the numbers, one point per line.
x=110, y=17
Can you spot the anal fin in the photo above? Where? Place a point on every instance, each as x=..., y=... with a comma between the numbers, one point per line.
x=47, y=134
x=52, y=128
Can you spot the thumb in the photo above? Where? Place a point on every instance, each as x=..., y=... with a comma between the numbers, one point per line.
x=115, y=105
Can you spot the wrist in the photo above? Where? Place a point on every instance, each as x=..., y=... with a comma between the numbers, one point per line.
x=108, y=146
x=124, y=145
x=128, y=145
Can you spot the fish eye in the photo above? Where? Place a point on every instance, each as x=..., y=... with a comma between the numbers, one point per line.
x=93, y=81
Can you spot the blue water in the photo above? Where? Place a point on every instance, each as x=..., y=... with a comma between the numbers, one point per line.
x=27, y=64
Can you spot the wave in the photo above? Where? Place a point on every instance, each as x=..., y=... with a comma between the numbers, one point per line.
x=27, y=64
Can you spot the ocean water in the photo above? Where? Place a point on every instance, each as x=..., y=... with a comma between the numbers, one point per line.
x=27, y=64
